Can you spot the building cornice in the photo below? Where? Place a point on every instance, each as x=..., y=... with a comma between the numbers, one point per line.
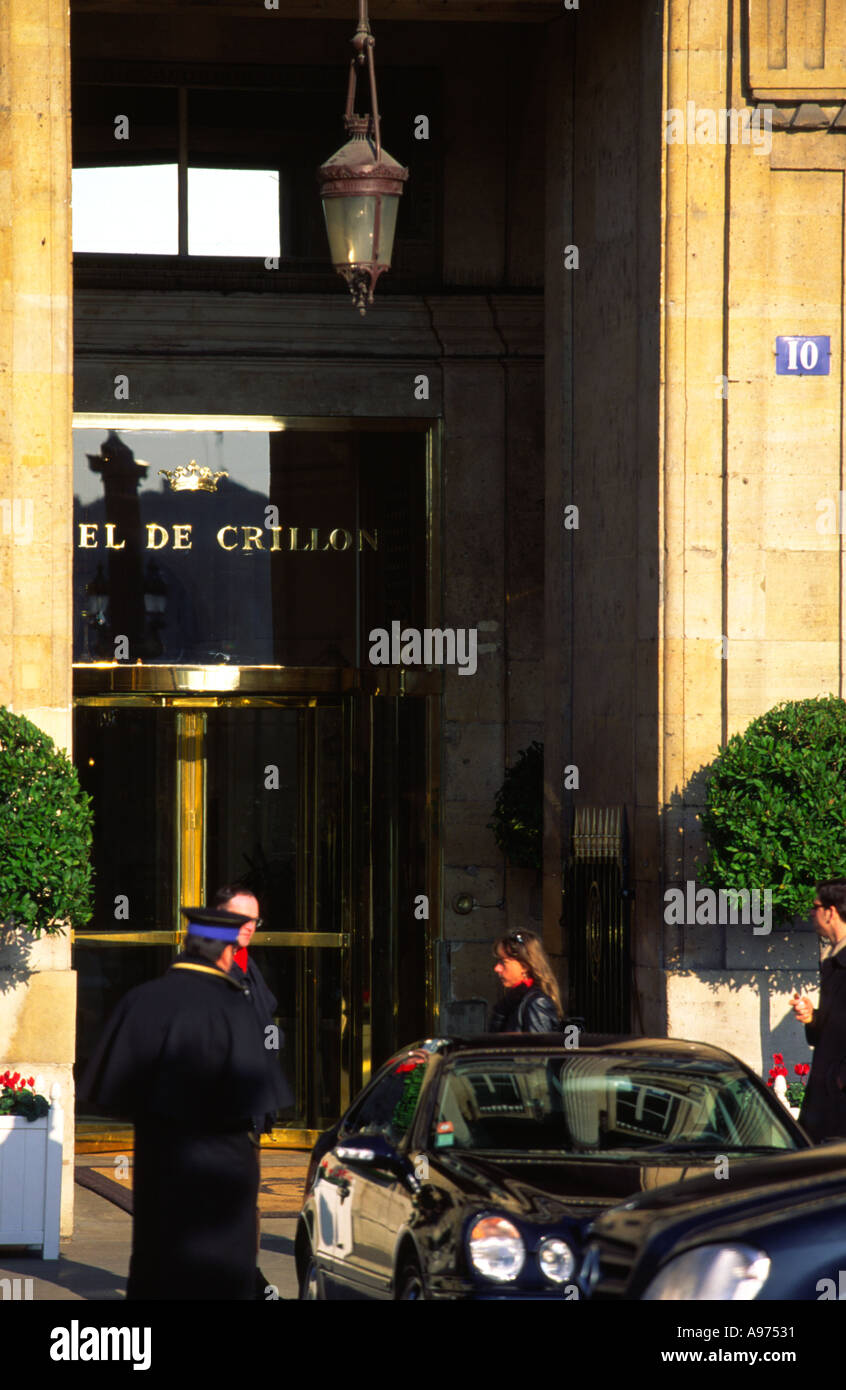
x=146, y=324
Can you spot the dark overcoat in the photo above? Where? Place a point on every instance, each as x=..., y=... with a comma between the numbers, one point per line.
x=264, y=1003
x=823, y=1112
x=183, y=1057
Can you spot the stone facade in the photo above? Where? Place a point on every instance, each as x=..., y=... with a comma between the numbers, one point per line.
x=636, y=381
x=752, y=249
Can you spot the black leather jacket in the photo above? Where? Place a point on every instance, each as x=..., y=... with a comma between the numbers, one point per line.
x=525, y=1009
x=823, y=1112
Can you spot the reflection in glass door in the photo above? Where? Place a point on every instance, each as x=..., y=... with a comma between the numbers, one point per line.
x=126, y=761
x=189, y=794
x=273, y=823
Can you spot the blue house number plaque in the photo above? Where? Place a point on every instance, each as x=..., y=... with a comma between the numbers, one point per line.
x=798, y=356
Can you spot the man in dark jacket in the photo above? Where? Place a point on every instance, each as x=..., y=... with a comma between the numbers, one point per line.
x=237, y=898
x=183, y=1057
x=823, y=1111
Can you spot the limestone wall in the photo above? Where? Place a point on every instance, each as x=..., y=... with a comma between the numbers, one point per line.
x=37, y=1013
x=752, y=591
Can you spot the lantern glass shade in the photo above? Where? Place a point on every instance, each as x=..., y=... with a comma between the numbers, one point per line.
x=351, y=225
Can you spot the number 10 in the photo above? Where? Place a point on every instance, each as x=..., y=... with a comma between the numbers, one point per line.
x=807, y=356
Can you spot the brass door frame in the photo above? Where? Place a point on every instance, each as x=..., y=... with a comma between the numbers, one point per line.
x=190, y=830
x=191, y=731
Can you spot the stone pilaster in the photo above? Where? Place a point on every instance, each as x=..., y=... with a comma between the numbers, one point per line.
x=36, y=1013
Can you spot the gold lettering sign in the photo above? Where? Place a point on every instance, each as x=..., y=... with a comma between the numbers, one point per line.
x=299, y=539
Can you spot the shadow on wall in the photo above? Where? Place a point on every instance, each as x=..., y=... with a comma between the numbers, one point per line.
x=15, y=964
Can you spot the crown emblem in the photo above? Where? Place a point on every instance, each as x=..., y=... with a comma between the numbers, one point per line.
x=193, y=478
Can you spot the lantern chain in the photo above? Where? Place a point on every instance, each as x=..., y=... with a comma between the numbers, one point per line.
x=364, y=43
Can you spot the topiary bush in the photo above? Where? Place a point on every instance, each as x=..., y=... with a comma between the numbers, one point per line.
x=45, y=833
x=775, y=808
x=518, y=810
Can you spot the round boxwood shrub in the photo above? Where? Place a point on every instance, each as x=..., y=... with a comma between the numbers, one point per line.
x=518, y=811
x=45, y=833
x=775, y=809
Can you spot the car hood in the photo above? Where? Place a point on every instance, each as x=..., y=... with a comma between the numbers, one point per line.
x=546, y=1189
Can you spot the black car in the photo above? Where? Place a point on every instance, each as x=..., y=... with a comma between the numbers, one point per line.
x=776, y=1229
x=472, y=1168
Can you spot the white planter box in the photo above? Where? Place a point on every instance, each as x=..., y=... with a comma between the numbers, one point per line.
x=31, y=1180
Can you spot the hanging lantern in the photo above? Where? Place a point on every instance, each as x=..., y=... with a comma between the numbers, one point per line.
x=361, y=185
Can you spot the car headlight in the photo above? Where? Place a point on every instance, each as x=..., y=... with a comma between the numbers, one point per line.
x=731, y=1273
x=556, y=1260
x=496, y=1248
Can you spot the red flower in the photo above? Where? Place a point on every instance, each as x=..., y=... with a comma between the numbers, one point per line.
x=31, y=1081
x=777, y=1057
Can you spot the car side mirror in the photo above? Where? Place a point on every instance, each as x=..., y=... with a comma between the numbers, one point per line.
x=372, y=1149
x=379, y=1153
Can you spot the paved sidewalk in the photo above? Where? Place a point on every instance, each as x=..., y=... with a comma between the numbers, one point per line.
x=93, y=1264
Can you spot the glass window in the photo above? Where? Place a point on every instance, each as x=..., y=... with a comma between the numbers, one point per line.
x=390, y=1105
x=606, y=1106
x=233, y=212
x=131, y=209
x=251, y=547
x=247, y=156
x=125, y=169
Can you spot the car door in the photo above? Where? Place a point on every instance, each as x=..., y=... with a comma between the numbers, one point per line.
x=354, y=1198
x=333, y=1189
x=398, y=1198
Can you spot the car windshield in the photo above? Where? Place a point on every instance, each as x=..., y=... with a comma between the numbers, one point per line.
x=603, y=1105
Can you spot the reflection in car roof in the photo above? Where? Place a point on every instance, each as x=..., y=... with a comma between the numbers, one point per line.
x=605, y=1042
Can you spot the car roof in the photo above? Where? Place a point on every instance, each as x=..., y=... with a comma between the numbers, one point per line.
x=627, y=1043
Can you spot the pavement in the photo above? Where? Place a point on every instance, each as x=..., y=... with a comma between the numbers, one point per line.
x=94, y=1261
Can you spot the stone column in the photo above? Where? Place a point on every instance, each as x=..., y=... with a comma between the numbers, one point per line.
x=692, y=454
x=37, y=1013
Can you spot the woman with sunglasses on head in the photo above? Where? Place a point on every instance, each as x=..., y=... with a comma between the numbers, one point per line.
x=532, y=1003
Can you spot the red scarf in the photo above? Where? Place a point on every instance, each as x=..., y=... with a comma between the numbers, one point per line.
x=240, y=958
